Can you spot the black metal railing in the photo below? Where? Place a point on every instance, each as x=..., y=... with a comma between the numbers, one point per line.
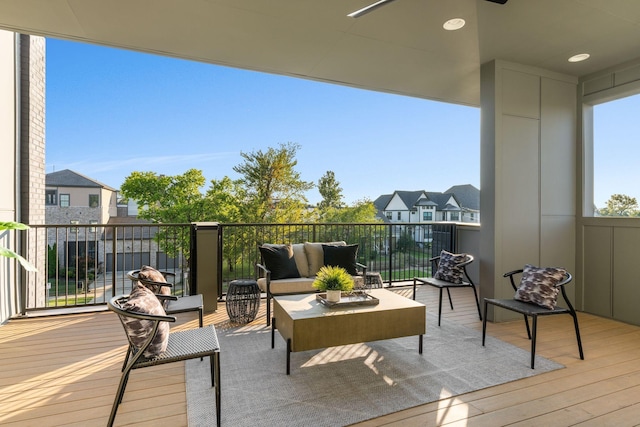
x=85, y=265
x=381, y=246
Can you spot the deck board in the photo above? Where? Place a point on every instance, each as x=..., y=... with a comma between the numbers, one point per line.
x=64, y=370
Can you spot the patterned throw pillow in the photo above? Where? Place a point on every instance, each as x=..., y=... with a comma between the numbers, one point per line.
x=142, y=300
x=280, y=261
x=538, y=285
x=150, y=273
x=448, y=269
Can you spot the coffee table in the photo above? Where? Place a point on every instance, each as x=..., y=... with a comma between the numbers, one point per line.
x=306, y=324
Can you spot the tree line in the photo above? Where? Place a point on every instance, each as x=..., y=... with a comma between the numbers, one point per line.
x=620, y=205
x=270, y=190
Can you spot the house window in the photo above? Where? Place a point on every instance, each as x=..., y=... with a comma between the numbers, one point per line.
x=399, y=216
x=94, y=200
x=92, y=229
x=427, y=216
x=64, y=200
x=455, y=216
x=388, y=215
x=615, y=130
x=51, y=197
x=472, y=216
x=74, y=229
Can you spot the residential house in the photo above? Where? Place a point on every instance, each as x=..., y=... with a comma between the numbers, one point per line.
x=468, y=198
x=424, y=208
x=72, y=198
x=461, y=203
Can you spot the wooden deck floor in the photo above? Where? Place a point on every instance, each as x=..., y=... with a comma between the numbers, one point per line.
x=63, y=371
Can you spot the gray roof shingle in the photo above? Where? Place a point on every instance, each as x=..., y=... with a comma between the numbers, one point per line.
x=69, y=178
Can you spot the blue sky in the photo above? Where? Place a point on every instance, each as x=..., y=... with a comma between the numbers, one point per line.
x=111, y=112
x=616, y=149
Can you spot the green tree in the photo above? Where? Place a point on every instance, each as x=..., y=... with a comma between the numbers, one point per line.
x=274, y=189
x=164, y=198
x=169, y=199
x=620, y=205
x=330, y=191
x=405, y=242
x=226, y=197
x=361, y=211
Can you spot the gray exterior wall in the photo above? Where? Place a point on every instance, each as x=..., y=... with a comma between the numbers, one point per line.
x=607, y=247
x=528, y=174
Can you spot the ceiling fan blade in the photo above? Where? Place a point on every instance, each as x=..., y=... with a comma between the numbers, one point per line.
x=370, y=8
x=358, y=13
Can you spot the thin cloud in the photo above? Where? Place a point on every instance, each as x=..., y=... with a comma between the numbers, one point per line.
x=148, y=162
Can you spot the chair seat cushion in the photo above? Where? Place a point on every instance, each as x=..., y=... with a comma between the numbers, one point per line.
x=539, y=285
x=298, y=285
x=448, y=267
x=142, y=300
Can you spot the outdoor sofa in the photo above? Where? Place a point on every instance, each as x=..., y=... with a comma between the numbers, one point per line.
x=291, y=268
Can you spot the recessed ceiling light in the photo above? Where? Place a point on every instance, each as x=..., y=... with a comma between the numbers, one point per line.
x=579, y=57
x=454, y=24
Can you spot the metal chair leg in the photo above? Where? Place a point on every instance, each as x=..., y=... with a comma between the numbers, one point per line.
x=484, y=322
x=118, y=399
x=450, y=301
x=268, y=309
x=440, y=307
x=533, y=341
x=575, y=323
x=218, y=390
x=475, y=294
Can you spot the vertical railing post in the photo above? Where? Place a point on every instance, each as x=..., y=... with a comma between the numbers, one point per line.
x=390, y=255
x=114, y=259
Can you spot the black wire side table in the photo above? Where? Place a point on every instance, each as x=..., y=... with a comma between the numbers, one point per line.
x=243, y=300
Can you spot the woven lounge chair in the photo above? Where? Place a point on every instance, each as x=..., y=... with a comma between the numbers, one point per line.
x=171, y=303
x=181, y=345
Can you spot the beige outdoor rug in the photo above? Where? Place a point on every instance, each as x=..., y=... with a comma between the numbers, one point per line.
x=344, y=385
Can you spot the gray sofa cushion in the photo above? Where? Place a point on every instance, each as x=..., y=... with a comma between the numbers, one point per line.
x=315, y=255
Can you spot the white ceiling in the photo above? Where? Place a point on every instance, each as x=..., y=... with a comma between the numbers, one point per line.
x=399, y=48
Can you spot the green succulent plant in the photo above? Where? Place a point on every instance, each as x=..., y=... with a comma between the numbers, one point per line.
x=330, y=278
x=6, y=252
